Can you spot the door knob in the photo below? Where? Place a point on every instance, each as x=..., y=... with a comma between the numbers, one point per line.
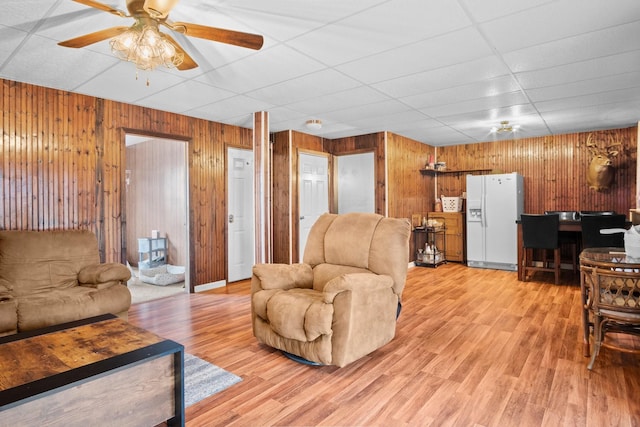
x=230, y=218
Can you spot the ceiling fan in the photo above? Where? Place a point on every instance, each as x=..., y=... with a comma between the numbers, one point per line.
x=144, y=44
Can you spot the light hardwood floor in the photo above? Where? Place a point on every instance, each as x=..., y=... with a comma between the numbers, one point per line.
x=473, y=348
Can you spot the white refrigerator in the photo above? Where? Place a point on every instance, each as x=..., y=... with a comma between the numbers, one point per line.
x=494, y=204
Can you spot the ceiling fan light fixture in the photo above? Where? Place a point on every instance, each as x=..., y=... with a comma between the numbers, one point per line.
x=504, y=127
x=146, y=47
x=314, y=124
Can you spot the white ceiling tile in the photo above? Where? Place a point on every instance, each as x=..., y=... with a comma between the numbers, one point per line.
x=454, y=95
x=361, y=95
x=502, y=101
x=83, y=65
x=482, y=11
x=421, y=56
x=583, y=70
x=610, y=98
x=309, y=86
x=174, y=99
x=119, y=83
x=585, y=87
x=583, y=47
x=231, y=107
x=360, y=35
x=557, y=20
x=264, y=68
x=476, y=70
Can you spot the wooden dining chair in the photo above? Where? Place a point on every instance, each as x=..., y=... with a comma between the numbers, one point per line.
x=591, y=226
x=541, y=232
x=569, y=239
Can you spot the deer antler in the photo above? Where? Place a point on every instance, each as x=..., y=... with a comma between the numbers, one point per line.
x=613, y=148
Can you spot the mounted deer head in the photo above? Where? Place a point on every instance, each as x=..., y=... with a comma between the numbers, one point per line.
x=601, y=172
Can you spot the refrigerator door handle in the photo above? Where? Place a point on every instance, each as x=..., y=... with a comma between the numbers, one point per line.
x=483, y=210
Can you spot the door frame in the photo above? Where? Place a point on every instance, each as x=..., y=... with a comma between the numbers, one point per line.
x=189, y=262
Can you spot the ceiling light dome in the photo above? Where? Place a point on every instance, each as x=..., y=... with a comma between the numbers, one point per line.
x=314, y=124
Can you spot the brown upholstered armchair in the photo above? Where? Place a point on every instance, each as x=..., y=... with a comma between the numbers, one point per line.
x=342, y=302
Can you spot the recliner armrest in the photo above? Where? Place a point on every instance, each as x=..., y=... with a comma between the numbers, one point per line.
x=356, y=282
x=96, y=274
x=282, y=276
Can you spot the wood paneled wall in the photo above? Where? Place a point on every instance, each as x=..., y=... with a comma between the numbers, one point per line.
x=63, y=157
x=554, y=169
x=156, y=196
x=410, y=193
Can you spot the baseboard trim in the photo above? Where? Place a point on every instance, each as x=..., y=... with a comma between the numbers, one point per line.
x=211, y=285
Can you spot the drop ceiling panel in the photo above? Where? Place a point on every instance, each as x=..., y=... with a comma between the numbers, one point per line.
x=83, y=65
x=309, y=86
x=557, y=20
x=231, y=107
x=173, y=99
x=581, y=47
x=478, y=90
x=586, y=87
x=361, y=95
x=119, y=83
x=361, y=35
x=264, y=68
x=455, y=75
x=583, y=70
x=420, y=56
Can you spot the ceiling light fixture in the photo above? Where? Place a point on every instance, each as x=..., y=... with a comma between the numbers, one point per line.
x=505, y=127
x=144, y=45
x=314, y=124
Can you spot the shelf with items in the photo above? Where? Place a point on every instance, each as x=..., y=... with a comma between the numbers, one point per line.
x=431, y=254
x=447, y=171
x=152, y=252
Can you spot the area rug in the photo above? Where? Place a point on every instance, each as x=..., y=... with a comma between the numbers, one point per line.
x=203, y=379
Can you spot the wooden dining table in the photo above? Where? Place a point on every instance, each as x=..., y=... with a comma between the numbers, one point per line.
x=565, y=225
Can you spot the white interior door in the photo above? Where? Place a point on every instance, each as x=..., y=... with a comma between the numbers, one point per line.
x=314, y=194
x=240, y=234
x=356, y=183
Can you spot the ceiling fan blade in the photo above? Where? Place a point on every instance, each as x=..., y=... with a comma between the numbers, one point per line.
x=92, y=38
x=251, y=41
x=187, y=62
x=101, y=6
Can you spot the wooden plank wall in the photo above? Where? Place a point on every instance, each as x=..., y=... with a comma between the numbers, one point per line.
x=156, y=196
x=409, y=192
x=63, y=158
x=554, y=169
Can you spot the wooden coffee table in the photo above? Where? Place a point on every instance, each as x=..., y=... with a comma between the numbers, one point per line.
x=89, y=372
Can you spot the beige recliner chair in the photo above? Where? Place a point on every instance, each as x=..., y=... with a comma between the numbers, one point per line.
x=342, y=302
